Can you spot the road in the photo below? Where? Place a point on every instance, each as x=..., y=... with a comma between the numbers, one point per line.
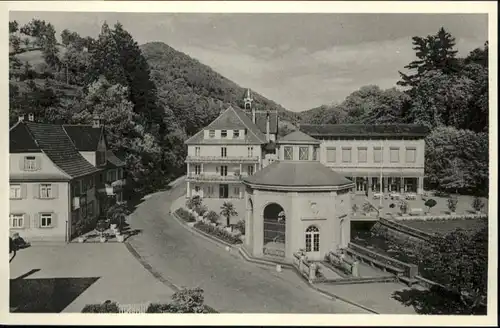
x=231, y=284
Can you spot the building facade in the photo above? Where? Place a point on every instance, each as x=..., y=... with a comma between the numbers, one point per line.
x=230, y=148
x=52, y=185
x=377, y=158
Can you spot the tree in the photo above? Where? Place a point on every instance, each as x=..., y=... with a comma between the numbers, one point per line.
x=477, y=204
x=459, y=261
x=434, y=52
x=452, y=204
x=13, y=26
x=117, y=213
x=228, y=210
x=430, y=203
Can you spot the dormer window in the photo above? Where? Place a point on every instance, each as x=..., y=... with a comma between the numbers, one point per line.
x=304, y=153
x=223, y=133
x=236, y=134
x=211, y=133
x=288, y=152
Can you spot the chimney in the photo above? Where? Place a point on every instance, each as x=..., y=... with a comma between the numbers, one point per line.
x=96, y=120
x=31, y=117
x=21, y=118
x=267, y=125
x=253, y=115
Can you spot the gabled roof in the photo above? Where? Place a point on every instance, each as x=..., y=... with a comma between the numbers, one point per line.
x=362, y=130
x=21, y=140
x=298, y=137
x=231, y=119
x=57, y=145
x=307, y=174
x=85, y=137
x=261, y=121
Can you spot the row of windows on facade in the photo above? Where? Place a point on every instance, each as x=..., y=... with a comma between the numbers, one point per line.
x=222, y=170
x=211, y=190
x=223, y=151
x=224, y=133
x=331, y=154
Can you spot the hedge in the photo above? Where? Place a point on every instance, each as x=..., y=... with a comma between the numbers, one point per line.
x=217, y=232
x=185, y=215
x=106, y=307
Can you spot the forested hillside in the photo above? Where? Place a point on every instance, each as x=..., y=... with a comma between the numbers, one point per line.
x=151, y=97
x=442, y=91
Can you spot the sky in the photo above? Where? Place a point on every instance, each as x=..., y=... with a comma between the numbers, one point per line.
x=298, y=60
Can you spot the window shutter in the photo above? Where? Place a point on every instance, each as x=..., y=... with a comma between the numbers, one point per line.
x=55, y=190
x=36, y=190
x=54, y=219
x=26, y=220
x=24, y=191
x=21, y=163
x=38, y=162
x=36, y=220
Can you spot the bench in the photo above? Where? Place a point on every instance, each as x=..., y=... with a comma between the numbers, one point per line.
x=372, y=262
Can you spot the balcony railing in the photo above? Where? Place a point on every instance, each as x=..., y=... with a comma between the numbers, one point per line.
x=214, y=177
x=220, y=159
x=110, y=188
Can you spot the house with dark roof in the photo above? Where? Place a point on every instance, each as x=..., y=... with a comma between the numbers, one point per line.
x=53, y=185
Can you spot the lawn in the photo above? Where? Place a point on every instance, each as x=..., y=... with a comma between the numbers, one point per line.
x=446, y=226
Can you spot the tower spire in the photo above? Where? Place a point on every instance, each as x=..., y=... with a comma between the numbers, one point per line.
x=248, y=103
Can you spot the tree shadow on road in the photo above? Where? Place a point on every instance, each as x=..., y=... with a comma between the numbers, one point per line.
x=434, y=301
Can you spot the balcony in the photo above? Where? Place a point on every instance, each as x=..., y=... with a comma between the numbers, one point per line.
x=214, y=178
x=220, y=159
x=111, y=188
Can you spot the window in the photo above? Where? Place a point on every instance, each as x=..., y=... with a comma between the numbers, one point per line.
x=223, y=170
x=236, y=190
x=394, y=155
x=197, y=151
x=378, y=155
x=312, y=239
x=331, y=155
x=45, y=191
x=197, y=169
x=303, y=153
x=119, y=198
x=17, y=221
x=288, y=153
x=236, y=134
x=315, y=154
x=77, y=188
x=91, y=183
x=223, y=133
x=30, y=163
x=223, y=152
x=90, y=206
x=411, y=155
x=15, y=192
x=120, y=174
x=346, y=155
x=362, y=154
x=45, y=220
x=250, y=151
x=211, y=133
x=250, y=169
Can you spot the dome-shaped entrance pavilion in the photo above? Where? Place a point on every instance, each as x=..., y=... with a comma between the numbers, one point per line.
x=294, y=205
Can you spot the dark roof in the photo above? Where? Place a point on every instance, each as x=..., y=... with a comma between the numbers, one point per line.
x=297, y=174
x=298, y=137
x=113, y=159
x=231, y=119
x=85, y=137
x=361, y=130
x=57, y=145
x=21, y=140
x=261, y=121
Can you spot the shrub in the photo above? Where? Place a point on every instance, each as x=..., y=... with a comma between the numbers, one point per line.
x=241, y=226
x=106, y=307
x=159, y=308
x=194, y=202
x=452, y=204
x=477, y=204
x=213, y=217
x=217, y=232
x=392, y=205
x=185, y=215
x=201, y=210
x=403, y=207
x=430, y=203
x=188, y=301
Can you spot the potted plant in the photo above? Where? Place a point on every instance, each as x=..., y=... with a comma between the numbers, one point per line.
x=228, y=210
x=477, y=204
x=101, y=227
x=119, y=237
x=430, y=203
x=452, y=205
x=80, y=230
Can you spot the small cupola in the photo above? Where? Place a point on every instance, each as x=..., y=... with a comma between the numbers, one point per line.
x=96, y=121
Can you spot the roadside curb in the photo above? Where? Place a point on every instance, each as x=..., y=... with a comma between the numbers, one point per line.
x=251, y=259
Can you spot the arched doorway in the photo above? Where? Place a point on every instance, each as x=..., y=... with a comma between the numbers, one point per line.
x=274, y=230
x=312, y=242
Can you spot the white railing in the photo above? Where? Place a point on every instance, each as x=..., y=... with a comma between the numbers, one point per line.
x=218, y=159
x=214, y=177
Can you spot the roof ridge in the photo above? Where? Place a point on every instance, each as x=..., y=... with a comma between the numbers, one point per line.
x=244, y=123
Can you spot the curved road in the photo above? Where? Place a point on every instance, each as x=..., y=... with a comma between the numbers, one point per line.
x=230, y=283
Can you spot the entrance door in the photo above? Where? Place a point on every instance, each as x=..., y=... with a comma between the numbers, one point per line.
x=223, y=191
x=312, y=243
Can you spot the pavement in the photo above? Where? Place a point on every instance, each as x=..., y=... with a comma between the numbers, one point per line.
x=231, y=284
x=120, y=276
